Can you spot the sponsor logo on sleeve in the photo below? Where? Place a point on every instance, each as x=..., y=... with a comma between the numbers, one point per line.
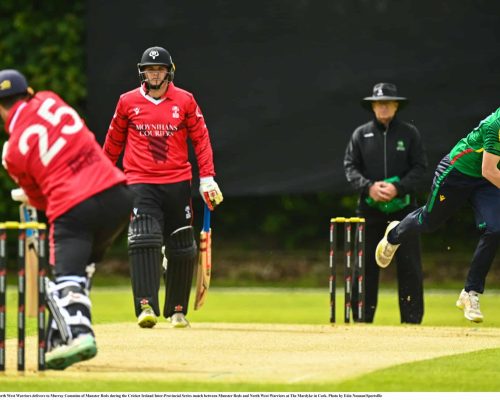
x=198, y=112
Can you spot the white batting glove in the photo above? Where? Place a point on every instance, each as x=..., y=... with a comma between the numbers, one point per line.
x=210, y=192
x=19, y=195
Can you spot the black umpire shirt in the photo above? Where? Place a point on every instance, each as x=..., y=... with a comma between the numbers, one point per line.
x=375, y=153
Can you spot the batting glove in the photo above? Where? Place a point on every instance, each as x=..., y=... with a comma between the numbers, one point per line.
x=210, y=192
x=19, y=195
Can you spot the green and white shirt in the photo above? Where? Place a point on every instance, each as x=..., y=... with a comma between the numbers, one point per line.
x=467, y=155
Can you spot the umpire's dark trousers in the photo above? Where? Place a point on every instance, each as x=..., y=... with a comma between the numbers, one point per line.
x=409, y=268
x=450, y=191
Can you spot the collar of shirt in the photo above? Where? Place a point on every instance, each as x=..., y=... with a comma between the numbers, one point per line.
x=167, y=95
x=13, y=115
x=382, y=127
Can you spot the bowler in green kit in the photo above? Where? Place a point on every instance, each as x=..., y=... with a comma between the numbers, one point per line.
x=469, y=173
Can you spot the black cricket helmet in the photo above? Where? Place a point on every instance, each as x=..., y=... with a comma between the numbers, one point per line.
x=156, y=56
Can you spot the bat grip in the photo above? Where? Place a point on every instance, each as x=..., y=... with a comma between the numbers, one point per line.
x=206, y=218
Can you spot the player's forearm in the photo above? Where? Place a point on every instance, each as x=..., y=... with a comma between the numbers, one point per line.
x=493, y=177
x=490, y=168
x=203, y=152
x=113, y=146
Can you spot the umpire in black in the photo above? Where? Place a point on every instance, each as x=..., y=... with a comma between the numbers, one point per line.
x=383, y=161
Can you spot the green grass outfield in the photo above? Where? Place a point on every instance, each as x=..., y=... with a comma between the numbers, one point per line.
x=476, y=371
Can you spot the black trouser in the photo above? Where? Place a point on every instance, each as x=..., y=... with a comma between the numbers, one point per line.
x=169, y=204
x=81, y=236
x=409, y=269
x=450, y=191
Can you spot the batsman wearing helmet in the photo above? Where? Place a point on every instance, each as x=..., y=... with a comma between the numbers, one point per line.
x=153, y=124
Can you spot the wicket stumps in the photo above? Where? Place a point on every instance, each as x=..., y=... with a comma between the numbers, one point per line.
x=354, y=265
x=21, y=291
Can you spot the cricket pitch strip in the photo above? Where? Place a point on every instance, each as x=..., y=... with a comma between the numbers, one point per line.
x=260, y=353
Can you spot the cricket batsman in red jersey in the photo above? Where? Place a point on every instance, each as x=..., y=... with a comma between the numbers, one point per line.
x=59, y=165
x=153, y=124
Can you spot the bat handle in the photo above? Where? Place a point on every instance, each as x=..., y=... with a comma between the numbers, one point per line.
x=206, y=218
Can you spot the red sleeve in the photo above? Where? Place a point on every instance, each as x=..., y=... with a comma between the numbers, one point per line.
x=198, y=133
x=117, y=134
x=36, y=198
x=35, y=195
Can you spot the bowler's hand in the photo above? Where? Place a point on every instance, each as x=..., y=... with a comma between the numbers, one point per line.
x=210, y=192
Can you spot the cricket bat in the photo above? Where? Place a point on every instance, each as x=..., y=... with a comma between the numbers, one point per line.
x=204, y=261
x=28, y=213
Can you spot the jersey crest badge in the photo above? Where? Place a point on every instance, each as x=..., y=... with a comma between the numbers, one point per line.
x=175, y=112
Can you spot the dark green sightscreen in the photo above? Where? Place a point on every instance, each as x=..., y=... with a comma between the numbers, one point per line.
x=280, y=82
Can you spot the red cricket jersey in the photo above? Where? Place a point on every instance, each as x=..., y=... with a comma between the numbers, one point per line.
x=54, y=157
x=154, y=134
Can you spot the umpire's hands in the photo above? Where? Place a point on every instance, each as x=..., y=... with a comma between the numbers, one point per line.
x=210, y=192
x=382, y=191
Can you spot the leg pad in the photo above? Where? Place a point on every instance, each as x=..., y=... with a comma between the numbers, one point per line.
x=144, y=248
x=181, y=252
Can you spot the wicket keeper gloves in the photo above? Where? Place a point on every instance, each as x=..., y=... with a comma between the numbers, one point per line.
x=210, y=192
x=19, y=195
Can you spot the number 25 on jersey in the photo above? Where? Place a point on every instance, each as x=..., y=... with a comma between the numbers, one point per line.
x=53, y=117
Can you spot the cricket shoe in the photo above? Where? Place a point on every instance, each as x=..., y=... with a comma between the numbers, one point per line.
x=385, y=251
x=80, y=349
x=469, y=302
x=147, y=318
x=178, y=320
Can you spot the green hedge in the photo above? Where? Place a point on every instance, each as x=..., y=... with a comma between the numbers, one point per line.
x=45, y=41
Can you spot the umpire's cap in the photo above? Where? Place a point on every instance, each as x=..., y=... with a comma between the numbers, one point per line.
x=12, y=82
x=384, y=92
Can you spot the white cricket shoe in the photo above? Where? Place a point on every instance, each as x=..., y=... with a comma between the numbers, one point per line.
x=469, y=302
x=147, y=318
x=178, y=320
x=385, y=251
